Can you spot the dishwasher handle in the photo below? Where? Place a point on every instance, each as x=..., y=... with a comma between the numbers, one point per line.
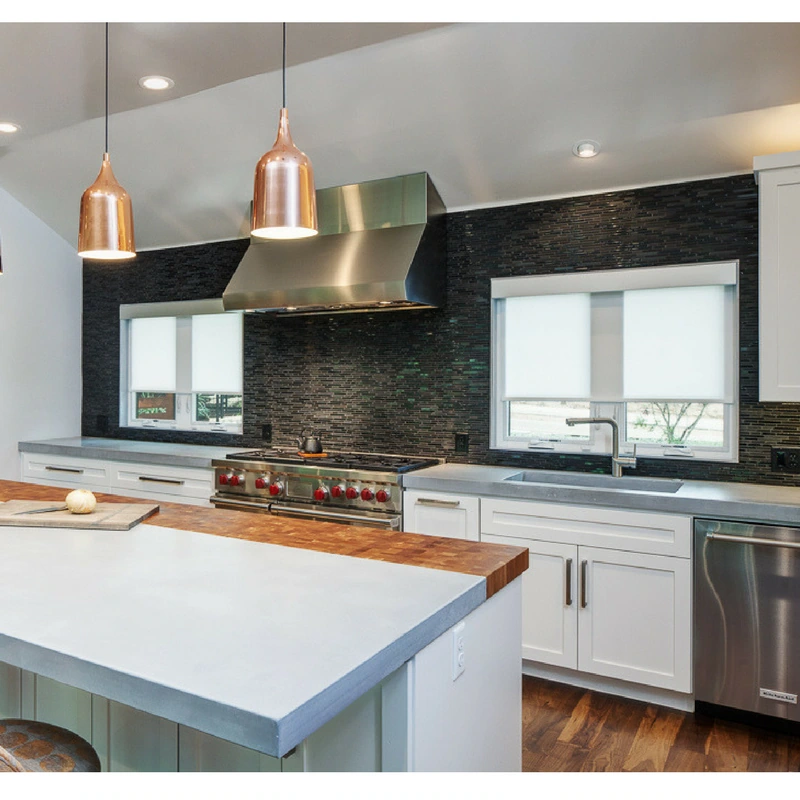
x=724, y=537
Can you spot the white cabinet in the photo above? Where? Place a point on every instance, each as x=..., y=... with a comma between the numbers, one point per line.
x=201, y=752
x=192, y=485
x=619, y=611
x=10, y=691
x=67, y=471
x=778, y=179
x=62, y=705
x=455, y=516
x=174, y=484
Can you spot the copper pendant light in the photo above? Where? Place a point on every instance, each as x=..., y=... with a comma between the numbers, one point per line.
x=106, y=223
x=284, y=198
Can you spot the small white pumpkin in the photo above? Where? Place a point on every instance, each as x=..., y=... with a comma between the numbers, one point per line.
x=81, y=501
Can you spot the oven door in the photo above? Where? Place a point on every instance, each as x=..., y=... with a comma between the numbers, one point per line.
x=370, y=519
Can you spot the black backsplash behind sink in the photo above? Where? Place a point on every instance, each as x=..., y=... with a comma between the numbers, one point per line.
x=408, y=381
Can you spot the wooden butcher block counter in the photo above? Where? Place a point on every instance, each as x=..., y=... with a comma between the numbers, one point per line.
x=499, y=564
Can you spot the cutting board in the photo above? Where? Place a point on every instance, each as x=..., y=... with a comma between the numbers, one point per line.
x=106, y=516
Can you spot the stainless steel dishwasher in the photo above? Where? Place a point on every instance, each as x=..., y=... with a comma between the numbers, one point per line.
x=747, y=617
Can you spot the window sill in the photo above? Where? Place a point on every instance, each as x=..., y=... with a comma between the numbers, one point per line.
x=561, y=449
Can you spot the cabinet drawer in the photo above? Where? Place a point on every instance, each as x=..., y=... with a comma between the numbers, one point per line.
x=65, y=471
x=637, y=531
x=150, y=480
x=455, y=516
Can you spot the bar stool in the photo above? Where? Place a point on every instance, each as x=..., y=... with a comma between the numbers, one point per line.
x=28, y=746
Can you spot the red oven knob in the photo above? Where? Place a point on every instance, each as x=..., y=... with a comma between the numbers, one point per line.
x=382, y=496
x=351, y=493
x=276, y=488
x=337, y=491
x=321, y=493
x=223, y=479
x=261, y=483
x=366, y=494
x=236, y=480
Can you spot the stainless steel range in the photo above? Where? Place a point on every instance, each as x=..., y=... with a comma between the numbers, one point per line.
x=352, y=488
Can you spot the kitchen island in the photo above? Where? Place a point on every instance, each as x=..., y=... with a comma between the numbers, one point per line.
x=312, y=645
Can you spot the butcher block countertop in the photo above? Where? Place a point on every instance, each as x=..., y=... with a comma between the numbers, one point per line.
x=258, y=634
x=498, y=564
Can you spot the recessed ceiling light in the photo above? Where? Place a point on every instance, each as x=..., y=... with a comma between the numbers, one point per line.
x=156, y=83
x=8, y=127
x=586, y=148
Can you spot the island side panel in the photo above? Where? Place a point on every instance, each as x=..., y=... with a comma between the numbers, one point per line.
x=472, y=723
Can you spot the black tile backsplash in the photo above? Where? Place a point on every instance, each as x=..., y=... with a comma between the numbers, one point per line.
x=408, y=381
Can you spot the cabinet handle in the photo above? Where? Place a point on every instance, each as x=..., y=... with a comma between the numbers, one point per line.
x=425, y=501
x=64, y=469
x=161, y=480
x=584, y=567
x=569, y=582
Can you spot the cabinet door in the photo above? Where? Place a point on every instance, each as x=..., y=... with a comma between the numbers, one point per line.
x=201, y=752
x=635, y=617
x=10, y=691
x=55, y=470
x=140, y=742
x=779, y=284
x=175, y=484
x=455, y=516
x=549, y=601
x=62, y=705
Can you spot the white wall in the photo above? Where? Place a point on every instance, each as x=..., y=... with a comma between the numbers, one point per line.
x=40, y=333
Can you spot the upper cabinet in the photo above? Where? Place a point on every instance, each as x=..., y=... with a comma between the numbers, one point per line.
x=778, y=178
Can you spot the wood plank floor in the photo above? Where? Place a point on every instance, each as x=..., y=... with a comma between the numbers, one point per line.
x=567, y=729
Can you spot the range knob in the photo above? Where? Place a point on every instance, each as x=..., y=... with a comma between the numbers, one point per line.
x=223, y=479
x=337, y=491
x=351, y=493
x=382, y=496
x=237, y=480
x=261, y=483
x=276, y=488
x=321, y=493
x=367, y=494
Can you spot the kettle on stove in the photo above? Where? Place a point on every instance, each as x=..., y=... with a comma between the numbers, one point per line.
x=310, y=443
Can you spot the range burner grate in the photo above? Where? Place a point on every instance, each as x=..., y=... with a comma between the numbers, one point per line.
x=362, y=461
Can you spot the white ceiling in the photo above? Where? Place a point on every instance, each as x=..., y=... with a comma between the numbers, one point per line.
x=490, y=110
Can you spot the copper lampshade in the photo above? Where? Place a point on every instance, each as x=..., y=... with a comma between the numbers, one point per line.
x=106, y=221
x=284, y=199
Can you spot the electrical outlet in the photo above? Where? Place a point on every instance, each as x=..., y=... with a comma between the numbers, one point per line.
x=459, y=654
x=266, y=433
x=785, y=459
x=102, y=423
x=462, y=443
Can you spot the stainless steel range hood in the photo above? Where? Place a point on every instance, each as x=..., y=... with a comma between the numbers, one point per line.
x=381, y=246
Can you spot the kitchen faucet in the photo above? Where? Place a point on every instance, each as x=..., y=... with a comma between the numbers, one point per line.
x=617, y=461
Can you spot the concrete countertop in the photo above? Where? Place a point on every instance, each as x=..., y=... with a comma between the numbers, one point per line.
x=256, y=643
x=168, y=454
x=744, y=501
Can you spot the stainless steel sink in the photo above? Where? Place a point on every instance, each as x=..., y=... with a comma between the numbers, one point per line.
x=587, y=480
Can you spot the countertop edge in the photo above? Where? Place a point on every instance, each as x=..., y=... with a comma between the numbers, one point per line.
x=686, y=501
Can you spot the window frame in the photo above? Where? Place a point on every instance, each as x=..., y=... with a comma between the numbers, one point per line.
x=600, y=438
x=185, y=398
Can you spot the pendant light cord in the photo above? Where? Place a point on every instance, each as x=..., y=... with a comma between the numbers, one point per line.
x=284, y=66
x=106, y=150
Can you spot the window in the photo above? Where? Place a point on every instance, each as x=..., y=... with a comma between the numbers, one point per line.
x=181, y=366
x=653, y=348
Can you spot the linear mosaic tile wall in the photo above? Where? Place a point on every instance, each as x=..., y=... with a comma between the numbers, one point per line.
x=408, y=381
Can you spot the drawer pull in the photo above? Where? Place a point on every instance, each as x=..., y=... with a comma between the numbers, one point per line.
x=569, y=582
x=172, y=481
x=427, y=501
x=65, y=469
x=584, y=568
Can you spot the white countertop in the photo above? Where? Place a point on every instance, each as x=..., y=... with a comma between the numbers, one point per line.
x=255, y=643
x=740, y=501
x=167, y=453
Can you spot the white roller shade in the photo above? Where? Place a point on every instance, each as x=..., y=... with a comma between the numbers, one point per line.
x=152, y=354
x=547, y=347
x=674, y=344
x=217, y=353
